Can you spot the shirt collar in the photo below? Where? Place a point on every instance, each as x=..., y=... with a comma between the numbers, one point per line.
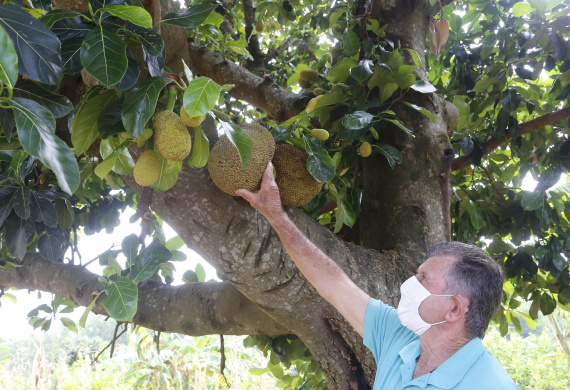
x=454, y=369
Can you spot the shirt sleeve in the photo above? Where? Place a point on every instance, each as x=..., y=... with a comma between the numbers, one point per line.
x=383, y=330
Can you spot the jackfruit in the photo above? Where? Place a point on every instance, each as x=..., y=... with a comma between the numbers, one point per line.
x=191, y=121
x=259, y=26
x=225, y=166
x=297, y=186
x=171, y=136
x=365, y=149
x=320, y=134
x=312, y=104
x=304, y=83
x=146, y=169
x=308, y=74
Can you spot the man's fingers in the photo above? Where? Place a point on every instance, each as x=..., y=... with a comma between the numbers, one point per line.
x=268, y=174
x=245, y=194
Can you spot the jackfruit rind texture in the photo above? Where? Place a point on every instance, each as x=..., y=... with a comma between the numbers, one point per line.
x=171, y=136
x=191, y=121
x=297, y=186
x=225, y=166
x=146, y=169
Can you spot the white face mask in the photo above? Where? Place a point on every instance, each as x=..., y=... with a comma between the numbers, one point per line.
x=412, y=295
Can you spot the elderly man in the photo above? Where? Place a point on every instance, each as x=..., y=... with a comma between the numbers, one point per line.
x=433, y=339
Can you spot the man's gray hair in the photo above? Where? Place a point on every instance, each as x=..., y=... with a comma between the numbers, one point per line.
x=476, y=276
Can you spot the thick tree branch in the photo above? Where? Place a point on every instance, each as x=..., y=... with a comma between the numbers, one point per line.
x=258, y=63
x=193, y=309
x=260, y=92
x=527, y=127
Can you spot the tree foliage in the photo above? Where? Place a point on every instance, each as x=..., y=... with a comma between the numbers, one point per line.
x=489, y=79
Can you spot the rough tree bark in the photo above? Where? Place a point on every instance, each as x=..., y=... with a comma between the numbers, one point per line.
x=404, y=212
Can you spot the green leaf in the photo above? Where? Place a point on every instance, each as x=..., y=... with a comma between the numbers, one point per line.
x=114, y=147
x=131, y=75
x=130, y=247
x=87, y=310
x=190, y=277
x=200, y=272
x=65, y=213
x=42, y=210
x=22, y=202
x=533, y=200
x=104, y=55
x=521, y=9
x=140, y=104
x=55, y=15
x=51, y=245
x=240, y=139
x=15, y=235
x=168, y=175
x=58, y=105
x=393, y=155
x=415, y=57
x=351, y=43
x=148, y=261
x=341, y=70
x=511, y=100
x=174, y=243
x=194, y=16
x=382, y=75
x=84, y=128
x=423, y=87
x=133, y=14
x=319, y=164
x=422, y=110
x=547, y=304
x=105, y=167
x=362, y=71
x=69, y=324
x=477, y=219
x=71, y=55
x=387, y=90
x=8, y=60
x=357, y=120
x=37, y=47
x=200, y=150
x=150, y=39
x=399, y=123
x=36, y=131
x=122, y=299
x=201, y=96
x=535, y=305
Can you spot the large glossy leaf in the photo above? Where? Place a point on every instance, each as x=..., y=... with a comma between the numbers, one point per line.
x=150, y=39
x=6, y=206
x=15, y=235
x=103, y=55
x=96, y=4
x=66, y=29
x=65, y=213
x=58, y=105
x=393, y=155
x=148, y=261
x=191, y=17
x=51, y=244
x=8, y=60
x=36, y=131
x=140, y=104
x=37, y=47
x=84, y=128
x=133, y=14
x=122, y=299
x=200, y=150
x=43, y=210
x=131, y=75
x=130, y=247
x=115, y=148
x=110, y=122
x=55, y=15
x=201, y=96
x=319, y=163
x=71, y=55
x=423, y=87
x=22, y=202
x=357, y=120
x=168, y=172
x=240, y=139
x=477, y=219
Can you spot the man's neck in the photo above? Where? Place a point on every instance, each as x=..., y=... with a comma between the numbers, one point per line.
x=436, y=348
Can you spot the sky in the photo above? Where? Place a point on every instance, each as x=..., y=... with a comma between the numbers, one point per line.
x=13, y=322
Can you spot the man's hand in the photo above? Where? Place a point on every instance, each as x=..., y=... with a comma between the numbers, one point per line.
x=267, y=200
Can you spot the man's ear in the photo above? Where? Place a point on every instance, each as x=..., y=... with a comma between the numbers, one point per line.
x=457, y=309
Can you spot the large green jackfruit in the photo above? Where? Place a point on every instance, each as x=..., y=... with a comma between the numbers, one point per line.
x=297, y=186
x=225, y=166
x=146, y=169
x=171, y=136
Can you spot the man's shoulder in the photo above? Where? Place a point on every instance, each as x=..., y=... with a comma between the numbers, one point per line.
x=489, y=373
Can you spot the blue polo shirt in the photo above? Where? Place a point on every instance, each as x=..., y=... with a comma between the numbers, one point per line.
x=396, y=348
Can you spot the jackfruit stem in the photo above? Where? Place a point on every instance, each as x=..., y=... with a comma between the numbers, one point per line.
x=171, y=99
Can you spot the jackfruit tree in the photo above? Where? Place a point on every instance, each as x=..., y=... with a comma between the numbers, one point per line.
x=435, y=112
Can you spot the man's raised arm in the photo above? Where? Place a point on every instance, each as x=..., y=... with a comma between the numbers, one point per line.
x=323, y=273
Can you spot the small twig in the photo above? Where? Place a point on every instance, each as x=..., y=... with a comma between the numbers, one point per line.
x=96, y=257
x=146, y=215
x=112, y=342
x=223, y=359
x=157, y=342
